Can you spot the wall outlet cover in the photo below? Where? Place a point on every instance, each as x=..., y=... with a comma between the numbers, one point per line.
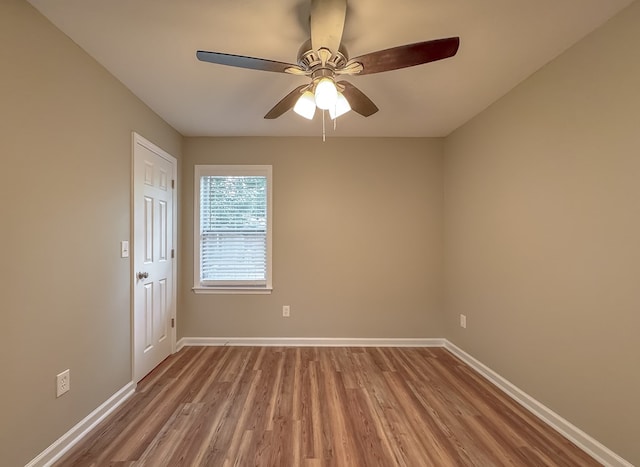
x=63, y=382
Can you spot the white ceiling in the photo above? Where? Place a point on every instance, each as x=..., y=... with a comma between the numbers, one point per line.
x=150, y=46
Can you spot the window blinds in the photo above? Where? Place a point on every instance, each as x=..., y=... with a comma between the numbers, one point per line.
x=233, y=230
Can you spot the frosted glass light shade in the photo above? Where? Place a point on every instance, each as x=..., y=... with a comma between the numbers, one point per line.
x=306, y=105
x=326, y=94
x=342, y=107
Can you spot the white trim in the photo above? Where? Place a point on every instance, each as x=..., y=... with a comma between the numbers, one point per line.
x=232, y=290
x=574, y=434
x=310, y=342
x=80, y=430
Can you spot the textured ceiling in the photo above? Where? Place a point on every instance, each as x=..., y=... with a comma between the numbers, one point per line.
x=150, y=46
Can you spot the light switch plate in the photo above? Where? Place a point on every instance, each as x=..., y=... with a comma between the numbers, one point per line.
x=124, y=249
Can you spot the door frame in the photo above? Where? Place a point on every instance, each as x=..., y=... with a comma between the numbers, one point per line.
x=138, y=140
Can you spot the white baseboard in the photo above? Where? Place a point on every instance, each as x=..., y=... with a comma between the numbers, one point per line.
x=79, y=431
x=309, y=342
x=574, y=434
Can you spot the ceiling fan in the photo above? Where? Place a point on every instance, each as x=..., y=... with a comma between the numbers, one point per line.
x=323, y=58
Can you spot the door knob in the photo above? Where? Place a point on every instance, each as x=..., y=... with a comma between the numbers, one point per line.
x=142, y=275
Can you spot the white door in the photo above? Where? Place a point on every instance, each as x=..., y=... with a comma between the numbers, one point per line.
x=153, y=256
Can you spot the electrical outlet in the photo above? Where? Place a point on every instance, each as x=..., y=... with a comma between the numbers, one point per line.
x=463, y=321
x=63, y=382
x=285, y=311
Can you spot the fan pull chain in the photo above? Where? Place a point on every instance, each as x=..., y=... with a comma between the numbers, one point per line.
x=324, y=134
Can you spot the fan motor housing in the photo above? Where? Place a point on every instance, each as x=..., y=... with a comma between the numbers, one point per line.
x=310, y=59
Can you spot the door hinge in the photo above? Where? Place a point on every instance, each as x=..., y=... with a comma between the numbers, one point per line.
x=173, y=322
x=173, y=184
x=173, y=253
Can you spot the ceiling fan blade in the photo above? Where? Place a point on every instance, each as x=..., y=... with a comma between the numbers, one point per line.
x=286, y=103
x=241, y=61
x=327, y=23
x=407, y=55
x=358, y=101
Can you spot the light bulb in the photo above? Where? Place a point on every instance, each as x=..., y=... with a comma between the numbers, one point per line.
x=342, y=107
x=306, y=105
x=326, y=94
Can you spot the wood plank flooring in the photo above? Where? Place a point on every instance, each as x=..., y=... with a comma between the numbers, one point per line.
x=271, y=406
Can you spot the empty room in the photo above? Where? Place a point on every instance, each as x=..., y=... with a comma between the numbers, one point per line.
x=320, y=232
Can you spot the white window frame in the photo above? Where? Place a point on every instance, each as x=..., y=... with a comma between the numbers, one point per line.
x=239, y=171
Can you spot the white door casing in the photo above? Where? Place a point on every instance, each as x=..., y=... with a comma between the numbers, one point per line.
x=153, y=267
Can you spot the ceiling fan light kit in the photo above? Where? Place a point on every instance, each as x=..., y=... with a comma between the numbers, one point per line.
x=340, y=108
x=326, y=94
x=323, y=57
x=306, y=105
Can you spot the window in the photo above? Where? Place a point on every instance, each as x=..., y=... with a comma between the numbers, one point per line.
x=232, y=240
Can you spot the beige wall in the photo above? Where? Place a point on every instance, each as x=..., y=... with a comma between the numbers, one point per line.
x=65, y=149
x=542, y=235
x=541, y=228
x=357, y=245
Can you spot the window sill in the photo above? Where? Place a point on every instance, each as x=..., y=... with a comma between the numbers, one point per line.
x=233, y=290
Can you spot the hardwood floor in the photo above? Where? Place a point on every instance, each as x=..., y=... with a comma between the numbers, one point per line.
x=271, y=406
